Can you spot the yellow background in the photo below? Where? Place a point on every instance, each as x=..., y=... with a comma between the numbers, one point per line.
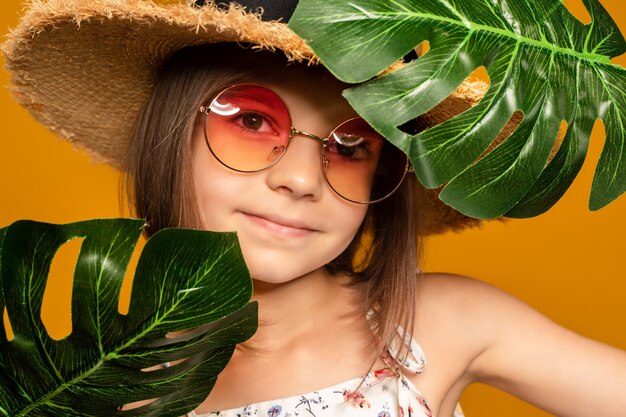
x=566, y=263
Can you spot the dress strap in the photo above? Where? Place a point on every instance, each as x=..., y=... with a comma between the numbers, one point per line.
x=413, y=358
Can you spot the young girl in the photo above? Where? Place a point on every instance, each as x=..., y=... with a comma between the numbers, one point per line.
x=327, y=213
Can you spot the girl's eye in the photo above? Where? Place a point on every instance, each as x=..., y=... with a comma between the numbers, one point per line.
x=350, y=147
x=254, y=121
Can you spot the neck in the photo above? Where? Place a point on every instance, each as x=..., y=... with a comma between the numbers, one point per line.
x=312, y=304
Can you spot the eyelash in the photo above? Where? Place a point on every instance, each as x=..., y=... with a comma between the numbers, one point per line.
x=363, y=146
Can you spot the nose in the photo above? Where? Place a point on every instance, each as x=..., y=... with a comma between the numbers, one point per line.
x=298, y=172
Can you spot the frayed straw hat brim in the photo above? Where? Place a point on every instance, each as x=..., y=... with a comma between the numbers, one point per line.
x=86, y=68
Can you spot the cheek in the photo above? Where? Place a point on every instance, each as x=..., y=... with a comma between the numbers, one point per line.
x=211, y=188
x=349, y=223
x=205, y=194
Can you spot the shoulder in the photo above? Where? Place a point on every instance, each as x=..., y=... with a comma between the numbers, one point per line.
x=467, y=317
x=441, y=284
x=462, y=298
x=453, y=316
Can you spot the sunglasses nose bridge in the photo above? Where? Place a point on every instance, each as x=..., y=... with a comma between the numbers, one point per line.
x=321, y=140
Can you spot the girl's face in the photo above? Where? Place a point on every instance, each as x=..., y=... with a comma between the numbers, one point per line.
x=289, y=222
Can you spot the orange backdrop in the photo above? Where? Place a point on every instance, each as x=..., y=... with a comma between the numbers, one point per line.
x=566, y=263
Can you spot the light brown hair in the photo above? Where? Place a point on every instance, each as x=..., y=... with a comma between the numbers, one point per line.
x=382, y=258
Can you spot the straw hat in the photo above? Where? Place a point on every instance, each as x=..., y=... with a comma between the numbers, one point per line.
x=85, y=68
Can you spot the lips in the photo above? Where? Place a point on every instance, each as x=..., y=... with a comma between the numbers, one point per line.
x=280, y=225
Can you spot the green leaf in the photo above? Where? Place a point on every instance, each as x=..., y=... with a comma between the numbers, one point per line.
x=184, y=279
x=541, y=61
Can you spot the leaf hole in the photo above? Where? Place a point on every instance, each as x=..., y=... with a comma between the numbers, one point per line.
x=411, y=56
x=136, y=404
x=127, y=284
x=475, y=86
x=8, y=330
x=416, y=52
x=56, y=307
x=422, y=48
x=480, y=74
x=578, y=9
x=597, y=141
x=510, y=127
x=165, y=365
x=412, y=127
x=559, y=140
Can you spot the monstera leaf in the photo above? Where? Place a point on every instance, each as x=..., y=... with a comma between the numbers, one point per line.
x=540, y=60
x=184, y=280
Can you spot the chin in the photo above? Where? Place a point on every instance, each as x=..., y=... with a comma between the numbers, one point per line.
x=278, y=263
x=279, y=270
x=274, y=274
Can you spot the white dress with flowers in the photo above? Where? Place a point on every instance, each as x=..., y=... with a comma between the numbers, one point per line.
x=382, y=393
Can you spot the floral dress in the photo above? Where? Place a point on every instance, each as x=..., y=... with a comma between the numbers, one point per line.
x=382, y=393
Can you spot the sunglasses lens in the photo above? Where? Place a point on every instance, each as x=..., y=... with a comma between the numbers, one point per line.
x=247, y=127
x=360, y=164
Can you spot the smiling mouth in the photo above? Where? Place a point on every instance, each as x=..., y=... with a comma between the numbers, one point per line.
x=279, y=226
